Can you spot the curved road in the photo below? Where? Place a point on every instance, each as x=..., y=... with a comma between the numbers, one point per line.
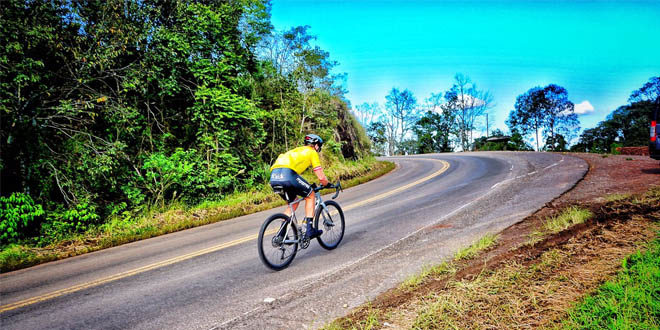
x=210, y=277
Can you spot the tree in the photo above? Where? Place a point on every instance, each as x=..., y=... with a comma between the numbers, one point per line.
x=402, y=113
x=627, y=125
x=547, y=109
x=108, y=105
x=517, y=142
x=650, y=92
x=367, y=113
x=377, y=133
x=560, y=117
x=556, y=143
x=446, y=121
x=527, y=115
x=432, y=131
x=468, y=103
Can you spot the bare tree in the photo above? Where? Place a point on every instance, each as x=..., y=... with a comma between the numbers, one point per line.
x=367, y=113
x=469, y=103
x=402, y=110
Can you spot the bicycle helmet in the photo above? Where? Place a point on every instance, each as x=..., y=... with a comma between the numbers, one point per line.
x=313, y=139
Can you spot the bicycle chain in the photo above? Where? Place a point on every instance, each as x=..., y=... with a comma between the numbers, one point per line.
x=304, y=241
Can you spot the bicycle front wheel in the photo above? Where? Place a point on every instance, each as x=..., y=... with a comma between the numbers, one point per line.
x=277, y=242
x=331, y=220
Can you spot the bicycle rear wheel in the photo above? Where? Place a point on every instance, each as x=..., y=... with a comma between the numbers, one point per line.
x=331, y=220
x=277, y=242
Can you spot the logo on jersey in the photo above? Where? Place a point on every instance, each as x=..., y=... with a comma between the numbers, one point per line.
x=305, y=184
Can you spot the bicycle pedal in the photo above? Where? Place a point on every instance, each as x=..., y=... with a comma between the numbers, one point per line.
x=304, y=243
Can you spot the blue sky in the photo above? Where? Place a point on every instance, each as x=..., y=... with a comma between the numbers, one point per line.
x=600, y=51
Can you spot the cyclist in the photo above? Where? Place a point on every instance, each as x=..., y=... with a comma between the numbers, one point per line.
x=285, y=173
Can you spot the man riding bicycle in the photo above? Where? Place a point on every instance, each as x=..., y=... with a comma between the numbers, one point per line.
x=285, y=177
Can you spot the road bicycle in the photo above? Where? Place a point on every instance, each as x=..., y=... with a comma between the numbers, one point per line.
x=280, y=237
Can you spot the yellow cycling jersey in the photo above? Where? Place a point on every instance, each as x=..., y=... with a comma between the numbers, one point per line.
x=298, y=159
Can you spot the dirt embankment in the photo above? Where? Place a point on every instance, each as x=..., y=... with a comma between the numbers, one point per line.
x=551, y=274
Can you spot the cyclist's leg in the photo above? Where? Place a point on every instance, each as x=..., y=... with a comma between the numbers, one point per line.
x=304, y=189
x=310, y=201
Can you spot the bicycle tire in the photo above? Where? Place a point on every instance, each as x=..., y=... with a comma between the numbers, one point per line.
x=268, y=239
x=333, y=232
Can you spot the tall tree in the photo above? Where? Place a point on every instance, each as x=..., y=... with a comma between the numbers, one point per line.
x=402, y=110
x=650, y=92
x=469, y=103
x=560, y=117
x=432, y=131
x=547, y=109
x=377, y=133
x=435, y=129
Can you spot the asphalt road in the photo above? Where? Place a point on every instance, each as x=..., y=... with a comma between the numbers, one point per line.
x=211, y=277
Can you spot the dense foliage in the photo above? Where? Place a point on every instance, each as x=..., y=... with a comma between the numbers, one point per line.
x=627, y=126
x=109, y=106
x=516, y=142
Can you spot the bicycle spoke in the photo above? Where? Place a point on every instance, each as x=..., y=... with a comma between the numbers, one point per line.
x=278, y=242
x=331, y=220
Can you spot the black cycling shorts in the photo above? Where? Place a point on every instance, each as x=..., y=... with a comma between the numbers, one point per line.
x=289, y=184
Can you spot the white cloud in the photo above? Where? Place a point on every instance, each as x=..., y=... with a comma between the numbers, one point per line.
x=584, y=108
x=471, y=100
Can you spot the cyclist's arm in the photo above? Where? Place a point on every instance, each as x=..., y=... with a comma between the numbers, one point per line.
x=319, y=174
x=316, y=167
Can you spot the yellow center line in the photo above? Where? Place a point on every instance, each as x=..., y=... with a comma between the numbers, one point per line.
x=444, y=168
x=167, y=262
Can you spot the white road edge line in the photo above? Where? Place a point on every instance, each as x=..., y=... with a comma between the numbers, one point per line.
x=528, y=174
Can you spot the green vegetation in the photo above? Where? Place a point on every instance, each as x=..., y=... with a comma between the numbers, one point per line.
x=617, y=197
x=447, y=267
x=115, y=111
x=471, y=251
x=541, y=290
x=120, y=229
x=630, y=301
x=570, y=216
x=547, y=111
x=415, y=280
x=371, y=320
x=627, y=126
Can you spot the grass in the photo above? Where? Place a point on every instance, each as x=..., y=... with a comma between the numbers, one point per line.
x=413, y=281
x=175, y=217
x=568, y=217
x=573, y=215
x=630, y=301
x=544, y=290
x=372, y=320
x=616, y=197
x=541, y=290
x=471, y=251
x=495, y=299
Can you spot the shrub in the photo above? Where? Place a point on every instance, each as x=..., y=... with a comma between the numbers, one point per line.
x=76, y=219
x=18, y=213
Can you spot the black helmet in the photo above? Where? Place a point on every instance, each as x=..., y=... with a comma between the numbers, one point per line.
x=313, y=139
